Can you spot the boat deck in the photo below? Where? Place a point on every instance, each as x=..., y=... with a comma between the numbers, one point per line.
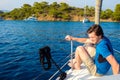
x=83, y=74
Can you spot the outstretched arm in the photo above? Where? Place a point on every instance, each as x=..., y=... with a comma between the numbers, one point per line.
x=81, y=40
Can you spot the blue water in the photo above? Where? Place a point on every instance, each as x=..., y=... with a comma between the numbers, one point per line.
x=20, y=42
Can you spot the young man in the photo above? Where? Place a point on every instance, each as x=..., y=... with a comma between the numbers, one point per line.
x=104, y=57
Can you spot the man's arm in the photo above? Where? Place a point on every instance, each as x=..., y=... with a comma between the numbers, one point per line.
x=81, y=40
x=114, y=64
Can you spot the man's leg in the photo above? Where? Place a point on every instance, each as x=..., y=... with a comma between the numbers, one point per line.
x=76, y=62
x=80, y=55
x=83, y=56
x=87, y=60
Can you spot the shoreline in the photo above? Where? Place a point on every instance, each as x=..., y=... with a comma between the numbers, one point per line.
x=73, y=19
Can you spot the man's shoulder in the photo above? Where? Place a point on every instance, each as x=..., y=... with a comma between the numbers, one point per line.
x=105, y=40
x=102, y=43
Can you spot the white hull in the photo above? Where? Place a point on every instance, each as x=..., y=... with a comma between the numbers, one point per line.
x=83, y=74
x=31, y=19
x=85, y=20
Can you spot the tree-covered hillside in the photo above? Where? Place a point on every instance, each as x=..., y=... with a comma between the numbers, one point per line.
x=57, y=11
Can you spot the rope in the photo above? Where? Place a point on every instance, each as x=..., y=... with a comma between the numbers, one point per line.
x=47, y=53
x=58, y=70
x=48, y=71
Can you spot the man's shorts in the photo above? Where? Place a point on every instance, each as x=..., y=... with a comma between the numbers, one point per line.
x=91, y=66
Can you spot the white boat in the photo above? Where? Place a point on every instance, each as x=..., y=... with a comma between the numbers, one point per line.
x=86, y=20
x=31, y=18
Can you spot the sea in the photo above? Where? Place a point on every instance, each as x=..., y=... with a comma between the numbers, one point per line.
x=20, y=42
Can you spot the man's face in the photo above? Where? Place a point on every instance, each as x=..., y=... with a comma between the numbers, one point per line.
x=94, y=38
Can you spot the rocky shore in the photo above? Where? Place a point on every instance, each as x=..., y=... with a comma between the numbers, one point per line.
x=73, y=18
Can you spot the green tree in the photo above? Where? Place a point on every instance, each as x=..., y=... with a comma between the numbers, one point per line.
x=40, y=8
x=14, y=14
x=109, y=13
x=64, y=7
x=106, y=14
x=116, y=14
x=25, y=11
x=1, y=13
x=53, y=10
x=36, y=8
x=66, y=17
x=91, y=11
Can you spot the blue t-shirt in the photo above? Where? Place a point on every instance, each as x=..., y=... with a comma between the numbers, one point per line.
x=103, y=50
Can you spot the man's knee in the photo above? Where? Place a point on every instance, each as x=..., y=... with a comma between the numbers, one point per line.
x=80, y=48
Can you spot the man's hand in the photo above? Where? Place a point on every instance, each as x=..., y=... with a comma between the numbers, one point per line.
x=68, y=38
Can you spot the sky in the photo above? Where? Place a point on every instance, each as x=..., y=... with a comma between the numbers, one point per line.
x=11, y=4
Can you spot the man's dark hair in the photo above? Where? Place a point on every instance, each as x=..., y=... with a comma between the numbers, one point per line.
x=97, y=29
